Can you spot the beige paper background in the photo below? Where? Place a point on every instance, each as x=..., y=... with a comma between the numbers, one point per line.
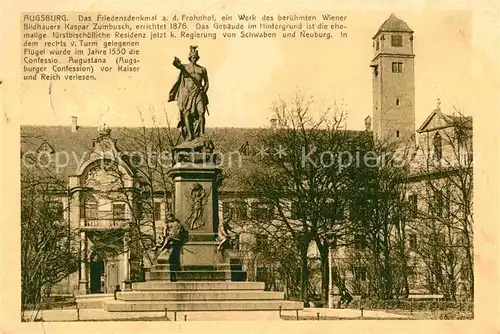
x=457, y=47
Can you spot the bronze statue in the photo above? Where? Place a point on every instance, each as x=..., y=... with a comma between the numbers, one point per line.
x=190, y=92
x=173, y=238
x=226, y=236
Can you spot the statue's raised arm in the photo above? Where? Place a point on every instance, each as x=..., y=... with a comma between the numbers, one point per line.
x=177, y=63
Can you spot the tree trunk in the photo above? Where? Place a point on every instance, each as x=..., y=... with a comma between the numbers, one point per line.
x=304, y=295
x=469, y=258
x=325, y=277
x=388, y=279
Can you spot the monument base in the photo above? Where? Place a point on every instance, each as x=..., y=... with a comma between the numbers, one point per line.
x=199, y=296
x=202, y=278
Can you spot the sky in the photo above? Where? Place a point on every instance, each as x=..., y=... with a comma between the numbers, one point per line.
x=246, y=77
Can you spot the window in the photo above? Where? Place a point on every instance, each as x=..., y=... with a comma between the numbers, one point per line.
x=298, y=211
x=359, y=242
x=118, y=211
x=397, y=67
x=397, y=40
x=412, y=240
x=45, y=153
x=261, y=241
x=464, y=273
x=261, y=275
x=355, y=213
x=440, y=240
x=438, y=203
x=412, y=273
x=334, y=275
x=91, y=211
x=413, y=199
x=239, y=210
x=157, y=211
x=360, y=274
x=437, y=143
x=235, y=210
x=397, y=134
x=57, y=209
x=397, y=102
x=333, y=211
x=261, y=211
x=377, y=44
x=245, y=149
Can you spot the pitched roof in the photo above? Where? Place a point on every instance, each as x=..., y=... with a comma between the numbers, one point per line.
x=236, y=144
x=73, y=149
x=393, y=24
x=446, y=120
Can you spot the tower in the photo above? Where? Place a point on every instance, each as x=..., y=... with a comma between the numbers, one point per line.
x=393, y=81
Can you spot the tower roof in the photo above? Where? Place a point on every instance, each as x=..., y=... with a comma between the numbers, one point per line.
x=393, y=24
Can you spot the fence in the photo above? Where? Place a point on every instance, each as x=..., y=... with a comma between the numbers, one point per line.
x=413, y=305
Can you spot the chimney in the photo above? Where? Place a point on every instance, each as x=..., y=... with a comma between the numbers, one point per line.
x=74, y=123
x=274, y=122
x=368, y=123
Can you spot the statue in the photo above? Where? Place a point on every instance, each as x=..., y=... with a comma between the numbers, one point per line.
x=173, y=239
x=225, y=234
x=190, y=91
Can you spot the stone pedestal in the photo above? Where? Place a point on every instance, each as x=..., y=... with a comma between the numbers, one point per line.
x=195, y=202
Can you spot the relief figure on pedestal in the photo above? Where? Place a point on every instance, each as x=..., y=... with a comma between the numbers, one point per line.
x=198, y=199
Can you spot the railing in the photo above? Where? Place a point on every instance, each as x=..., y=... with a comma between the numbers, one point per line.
x=105, y=223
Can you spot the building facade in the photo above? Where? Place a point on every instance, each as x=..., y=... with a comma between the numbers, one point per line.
x=112, y=201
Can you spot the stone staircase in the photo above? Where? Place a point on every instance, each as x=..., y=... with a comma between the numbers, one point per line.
x=203, y=287
x=159, y=295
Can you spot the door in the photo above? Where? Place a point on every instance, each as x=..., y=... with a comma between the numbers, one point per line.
x=112, y=273
x=96, y=272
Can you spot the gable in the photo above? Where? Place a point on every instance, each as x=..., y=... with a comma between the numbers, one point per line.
x=435, y=121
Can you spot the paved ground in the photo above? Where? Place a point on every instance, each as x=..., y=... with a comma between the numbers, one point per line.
x=309, y=313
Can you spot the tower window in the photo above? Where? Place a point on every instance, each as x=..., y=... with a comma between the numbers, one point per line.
x=397, y=102
x=397, y=40
x=377, y=44
x=397, y=133
x=397, y=67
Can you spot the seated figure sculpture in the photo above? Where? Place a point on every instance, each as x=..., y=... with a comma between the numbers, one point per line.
x=173, y=240
x=226, y=236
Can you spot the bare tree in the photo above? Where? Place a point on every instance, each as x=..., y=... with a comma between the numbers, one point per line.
x=304, y=178
x=446, y=216
x=378, y=218
x=46, y=239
